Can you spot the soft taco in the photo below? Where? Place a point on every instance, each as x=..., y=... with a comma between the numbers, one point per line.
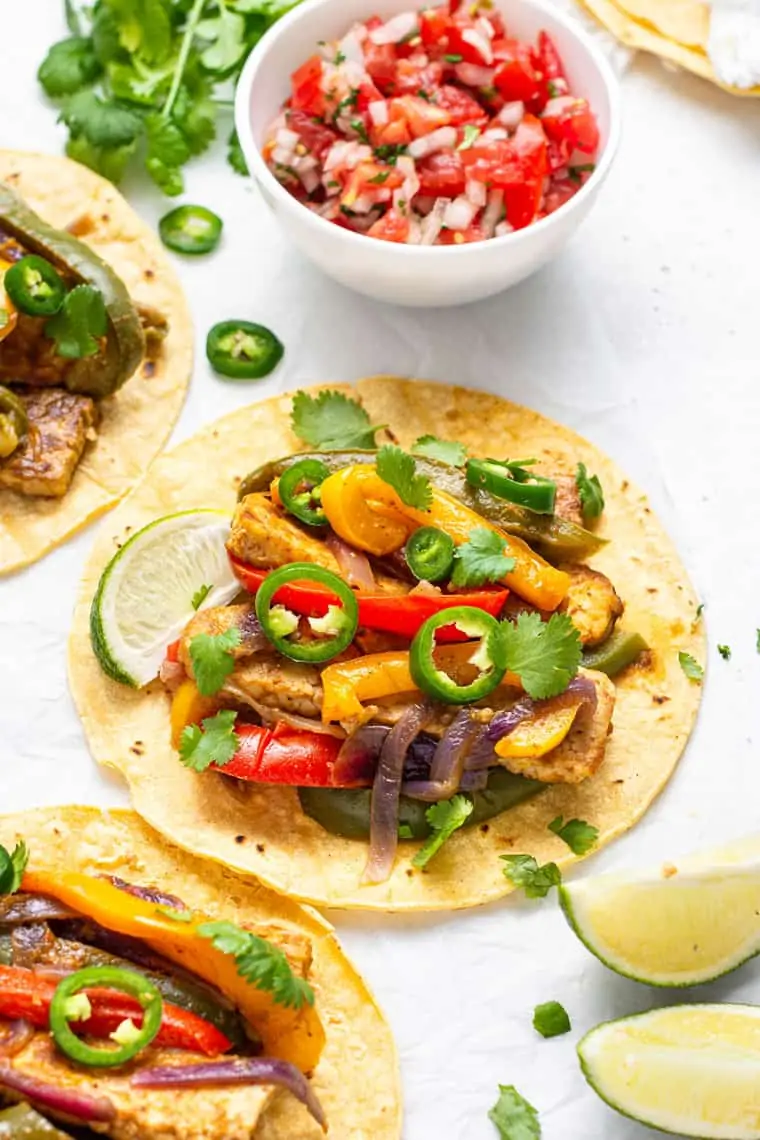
x=95, y=350
x=388, y=667
x=712, y=40
x=147, y=996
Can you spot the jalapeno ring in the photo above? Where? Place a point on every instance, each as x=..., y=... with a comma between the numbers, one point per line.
x=536, y=493
x=35, y=286
x=275, y=625
x=489, y=658
x=242, y=350
x=312, y=473
x=190, y=229
x=429, y=554
x=115, y=978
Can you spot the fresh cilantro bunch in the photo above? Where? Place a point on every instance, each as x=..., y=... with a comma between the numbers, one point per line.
x=144, y=78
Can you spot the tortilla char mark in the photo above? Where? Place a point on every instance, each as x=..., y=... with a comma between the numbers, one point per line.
x=60, y=425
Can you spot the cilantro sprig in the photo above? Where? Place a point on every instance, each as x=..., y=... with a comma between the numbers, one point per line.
x=141, y=77
x=444, y=818
x=200, y=596
x=78, y=323
x=515, y=1118
x=332, y=421
x=444, y=450
x=590, y=493
x=212, y=659
x=398, y=469
x=579, y=836
x=481, y=559
x=545, y=655
x=215, y=743
x=12, y=866
x=691, y=667
x=525, y=872
x=260, y=963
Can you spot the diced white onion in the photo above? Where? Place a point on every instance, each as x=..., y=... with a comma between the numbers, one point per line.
x=502, y=229
x=287, y=139
x=378, y=112
x=485, y=27
x=310, y=180
x=459, y=214
x=415, y=232
x=474, y=76
x=437, y=140
x=494, y=134
x=304, y=163
x=395, y=29
x=476, y=193
x=336, y=154
x=281, y=156
x=359, y=153
x=492, y=212
x=431, y=226
x=353, y=74
x=363, y=204
x=480, y=42
x=511, y=115
x=351, y=48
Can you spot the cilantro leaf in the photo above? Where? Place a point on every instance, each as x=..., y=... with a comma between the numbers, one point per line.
x=535, y=880
x=235, y=155
x=200, y=596
x=470, y=133
x=167, y=150
x=80, y=319
x=225, y=34
x=260, y=963
x=690, y=666
x=579, y=836
x=444, y=819
x=514, y=1117
x=591, y=493
x=110, y=162
x=725, y=652
x=212, y=659
x=69, y=66
x=545, y=655
x=397, y=468
x=332, y=421
x=550, y=1019
x=216, y=743
x=481, y=559
x=144, y=27
x=444, y=450
x=12, y=867
x=103, y=122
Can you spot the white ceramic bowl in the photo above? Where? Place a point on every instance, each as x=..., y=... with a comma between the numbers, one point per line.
x=408, y=274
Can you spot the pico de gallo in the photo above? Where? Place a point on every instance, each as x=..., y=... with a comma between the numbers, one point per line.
x=436, y=127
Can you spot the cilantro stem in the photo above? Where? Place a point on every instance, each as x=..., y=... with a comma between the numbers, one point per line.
x=187, y=42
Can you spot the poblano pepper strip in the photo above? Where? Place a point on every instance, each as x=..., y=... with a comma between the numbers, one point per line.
x=619, y=651
x=489, y=657
x=279, y=624
x=114, y=978
x=298, y=488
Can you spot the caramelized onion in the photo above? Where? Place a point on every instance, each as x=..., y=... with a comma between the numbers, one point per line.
x=357, y=759
x=69, y=1102
x=20, y=909
x=354, y=565
x=448, y=761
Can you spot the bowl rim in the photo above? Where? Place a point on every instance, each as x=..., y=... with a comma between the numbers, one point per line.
x=357, y=241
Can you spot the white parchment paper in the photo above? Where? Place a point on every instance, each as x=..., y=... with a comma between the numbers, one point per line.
x=643, y=335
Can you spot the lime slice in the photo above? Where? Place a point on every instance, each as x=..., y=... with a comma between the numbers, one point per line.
x=676, y=926
x=147, y=591
x=690, y=1069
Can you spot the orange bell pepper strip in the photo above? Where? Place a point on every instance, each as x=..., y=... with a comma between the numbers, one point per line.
x=295, y=1035
x=189, y=707
x=353, y=518
x=348, y=683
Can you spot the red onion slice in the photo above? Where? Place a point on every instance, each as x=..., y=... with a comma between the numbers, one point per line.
x=239, y=1071
x=448, y=761
x=357, y=760
x=507, y=721
x=20, y=909
x=14, y=1035
x=383, y=836
x=354, y=565
x=67, y=1101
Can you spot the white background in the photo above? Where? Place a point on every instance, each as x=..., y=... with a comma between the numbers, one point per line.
x=645, y=335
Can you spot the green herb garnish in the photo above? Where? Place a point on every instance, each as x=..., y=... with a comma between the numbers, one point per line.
x=79, y=321
x=260, y=963
x=545, y=655
x=216, y=743
x=398, y=469
x=12, y=866
x=725, y=652
x=579, y=836
x=444, y=818
x=535, y=880
x=690, y=666
x=444, y=450
x=200, y=596
x=212, y=659
x=590, y=492
x=481, y=559
x=514, y=1117
x=551, y=1020
x=331, y=421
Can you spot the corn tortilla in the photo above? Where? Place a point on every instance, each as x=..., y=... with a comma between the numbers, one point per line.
x=136, y=420
x=656, y=704
x=357, y=1078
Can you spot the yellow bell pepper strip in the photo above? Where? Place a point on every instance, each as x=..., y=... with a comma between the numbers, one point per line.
x=352, y=517
x=295, y=1035
x=540, y=733
x=189, y=707
x=346, y=684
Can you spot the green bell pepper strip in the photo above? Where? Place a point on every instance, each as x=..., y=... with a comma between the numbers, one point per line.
x=346, y=811
x=616, y=653
x=14, y=422
x=190, y=229
x=489, y=657
x=534, y=492
x=558, y=539
x=114, y=978
x=298, y=488
x=242, y=350
x=317, y=650
x=429, y=554
x=35, y=286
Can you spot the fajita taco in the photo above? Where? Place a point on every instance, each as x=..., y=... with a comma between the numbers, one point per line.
x=95, y=351
x=147, y=996
x=706, y=39
x=381, y=748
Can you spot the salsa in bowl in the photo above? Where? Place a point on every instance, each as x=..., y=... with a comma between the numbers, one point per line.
x=479, y=237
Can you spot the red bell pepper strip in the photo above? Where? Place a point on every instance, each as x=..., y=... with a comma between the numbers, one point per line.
x=402, y=614
x=27, y=995
x=283, y=755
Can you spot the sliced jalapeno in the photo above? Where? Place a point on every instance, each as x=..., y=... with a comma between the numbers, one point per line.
x=299, y=490
x=35, y=286
x=14, y=422
x=513, y=482
x=429, y=554
x=280, y=624
x=114, y=978
x=243, y=350
x=489, y=658
x=190, y=229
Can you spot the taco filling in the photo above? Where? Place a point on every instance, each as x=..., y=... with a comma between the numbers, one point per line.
x=125, y=1012
x=70, y=336
x=418, y=643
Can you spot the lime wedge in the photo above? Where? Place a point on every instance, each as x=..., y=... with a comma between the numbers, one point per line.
x=690, y=1069
x=674, y=926
x=151, y=588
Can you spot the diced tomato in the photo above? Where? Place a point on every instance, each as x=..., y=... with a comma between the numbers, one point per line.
x=413, y=76
x=494, y=162
x=393, y=226
x=441, y=174
x=560, y=191
x=558, y=155
x=549, y=57
x=373, y=178
x=462, y=108
x=316, y=137
x=522, y=201
x=396, y=131
x=461, y=237
x=460, y=44
x=435, y=24
x=421, y=116
x=567, y=119
x=306, y=85
x=380, y=62
x=515, y=77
